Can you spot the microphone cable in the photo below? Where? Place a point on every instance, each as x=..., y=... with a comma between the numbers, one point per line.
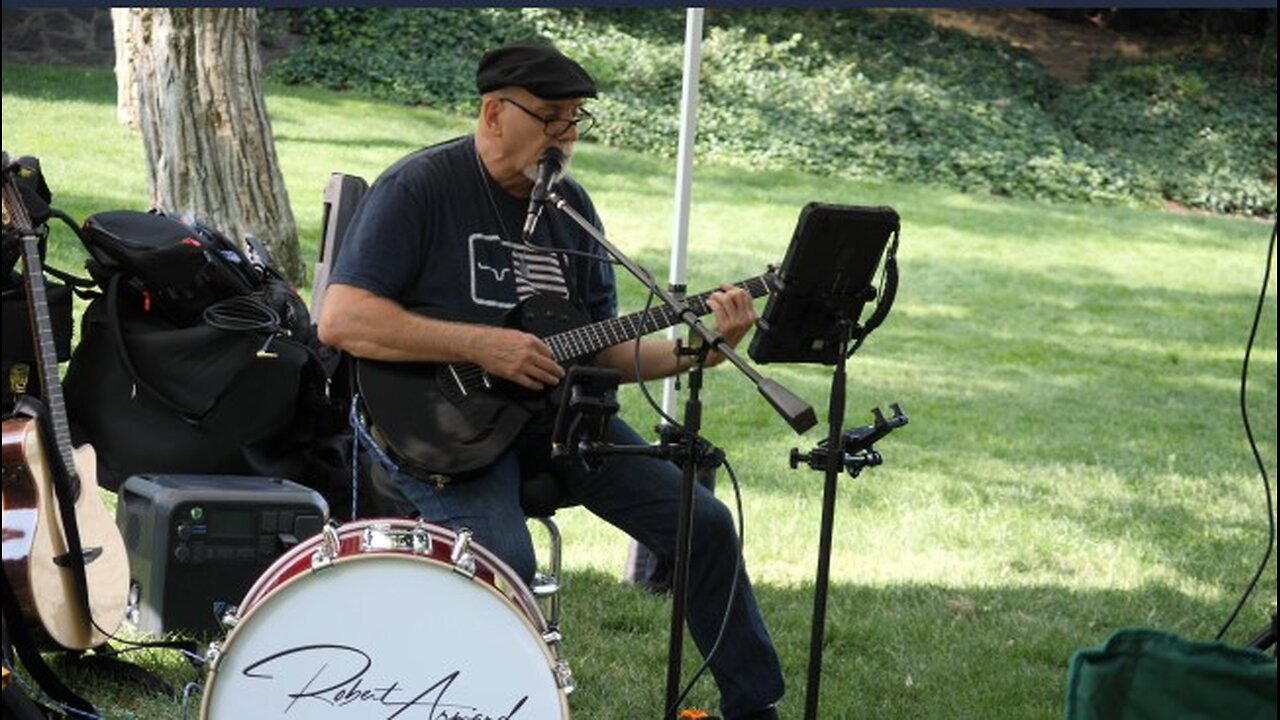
x=1253, y=445
x=728, y=605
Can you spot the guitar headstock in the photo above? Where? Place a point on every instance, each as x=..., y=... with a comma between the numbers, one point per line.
x=26, y=196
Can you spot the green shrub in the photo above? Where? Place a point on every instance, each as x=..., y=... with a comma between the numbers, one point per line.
x=419, y=55
x=1201, y=132
x=851, y=93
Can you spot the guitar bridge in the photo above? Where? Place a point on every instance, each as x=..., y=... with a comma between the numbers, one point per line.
x=87, y=555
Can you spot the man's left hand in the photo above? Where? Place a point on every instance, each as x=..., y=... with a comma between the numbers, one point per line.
x=734, y=314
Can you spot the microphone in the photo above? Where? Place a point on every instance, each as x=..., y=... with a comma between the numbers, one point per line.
x=550, y=168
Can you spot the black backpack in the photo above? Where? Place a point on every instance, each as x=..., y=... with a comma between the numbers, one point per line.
x=194, y=359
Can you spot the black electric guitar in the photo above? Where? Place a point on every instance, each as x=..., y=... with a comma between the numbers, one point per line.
x=448, y=418
x=37, y=560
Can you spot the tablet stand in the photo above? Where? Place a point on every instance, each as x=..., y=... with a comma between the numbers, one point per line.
x=825, y=281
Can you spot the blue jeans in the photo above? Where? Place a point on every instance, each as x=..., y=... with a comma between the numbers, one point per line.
x=640, y=496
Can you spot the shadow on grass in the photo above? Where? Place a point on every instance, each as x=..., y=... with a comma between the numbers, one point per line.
x=891, y=652
x=96, y=86
x=902, y=651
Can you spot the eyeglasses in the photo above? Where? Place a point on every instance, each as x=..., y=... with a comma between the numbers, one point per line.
x=555, y=127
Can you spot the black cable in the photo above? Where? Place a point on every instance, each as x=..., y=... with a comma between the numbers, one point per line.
x=644, y=389
x=1253, y=445
x=737, y=492
x=733, y=591
x=187, y=692
x=243, y=313
x=42, y=699
x=540, y=250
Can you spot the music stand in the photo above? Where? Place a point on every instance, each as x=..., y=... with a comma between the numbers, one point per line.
x=825, y=282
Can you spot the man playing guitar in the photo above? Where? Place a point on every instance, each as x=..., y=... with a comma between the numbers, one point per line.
x=441, y=229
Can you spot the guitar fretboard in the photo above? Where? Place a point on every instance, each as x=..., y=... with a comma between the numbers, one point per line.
x=588, y=339
x=583, y=341
x=41, y=326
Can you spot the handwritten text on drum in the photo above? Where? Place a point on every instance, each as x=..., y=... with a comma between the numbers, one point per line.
x=319, y=664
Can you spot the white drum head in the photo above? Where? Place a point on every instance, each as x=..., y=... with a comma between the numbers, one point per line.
x=379, y=636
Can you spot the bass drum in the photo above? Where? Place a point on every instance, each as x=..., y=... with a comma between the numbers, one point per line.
x=387, y=618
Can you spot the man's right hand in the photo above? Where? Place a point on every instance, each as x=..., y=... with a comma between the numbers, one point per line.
x=516, y=356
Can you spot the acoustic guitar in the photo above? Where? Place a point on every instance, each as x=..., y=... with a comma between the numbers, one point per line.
x=37, y=560
x=447, y=418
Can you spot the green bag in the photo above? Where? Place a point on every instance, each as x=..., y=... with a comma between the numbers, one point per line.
x=1141, y=674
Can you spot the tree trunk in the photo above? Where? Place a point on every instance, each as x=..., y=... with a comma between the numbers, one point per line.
x=204, y=126
x=125, y=28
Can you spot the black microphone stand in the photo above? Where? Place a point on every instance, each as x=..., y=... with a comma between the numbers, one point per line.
x=794, y=410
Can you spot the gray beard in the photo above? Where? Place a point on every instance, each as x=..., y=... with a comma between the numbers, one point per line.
x=531, y=171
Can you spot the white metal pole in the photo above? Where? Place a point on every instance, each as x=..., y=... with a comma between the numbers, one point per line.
x=684, y=171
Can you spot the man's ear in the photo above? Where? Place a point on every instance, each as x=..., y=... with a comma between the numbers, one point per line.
x=490, y=106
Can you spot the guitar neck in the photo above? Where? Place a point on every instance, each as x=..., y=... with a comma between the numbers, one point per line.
x=588, y=339
x=41, y=325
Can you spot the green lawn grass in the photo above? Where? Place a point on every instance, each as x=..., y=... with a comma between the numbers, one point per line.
x=1075, y=461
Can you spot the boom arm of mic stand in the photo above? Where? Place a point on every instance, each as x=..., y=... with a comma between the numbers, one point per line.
x=798, y=413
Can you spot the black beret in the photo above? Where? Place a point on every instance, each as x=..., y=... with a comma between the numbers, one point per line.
x=540, y=69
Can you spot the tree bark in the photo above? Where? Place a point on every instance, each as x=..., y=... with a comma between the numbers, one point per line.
x=205, y=131
x=125, y=27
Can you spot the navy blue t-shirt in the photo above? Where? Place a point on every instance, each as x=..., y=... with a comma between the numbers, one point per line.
x=436, y=230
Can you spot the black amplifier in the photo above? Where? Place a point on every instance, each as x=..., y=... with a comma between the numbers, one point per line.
x=197, y=543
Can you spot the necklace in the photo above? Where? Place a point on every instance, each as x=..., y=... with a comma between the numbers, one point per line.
x=483, y=175
x=519, y=252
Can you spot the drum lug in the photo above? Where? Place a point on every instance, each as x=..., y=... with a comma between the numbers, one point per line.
x=421, y=539
x=564, y=676
x=329, y=547
x=212, y=655
x=230, y=618
x=464, y=561
x=560, y=669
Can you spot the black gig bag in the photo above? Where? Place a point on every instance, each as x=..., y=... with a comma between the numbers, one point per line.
x=157, y=396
